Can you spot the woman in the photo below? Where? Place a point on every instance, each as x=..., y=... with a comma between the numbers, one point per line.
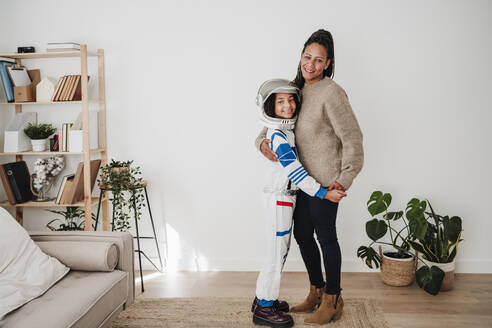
x=329, y=143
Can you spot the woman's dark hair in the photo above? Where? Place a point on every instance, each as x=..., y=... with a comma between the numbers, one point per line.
x=325, y=39
x=269, y=105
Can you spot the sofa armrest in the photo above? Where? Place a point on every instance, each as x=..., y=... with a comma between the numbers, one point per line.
x=123, y=240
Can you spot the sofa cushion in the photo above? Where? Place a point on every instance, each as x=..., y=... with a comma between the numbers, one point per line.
x=83, y=255
x=81, y=299
x=25, y=271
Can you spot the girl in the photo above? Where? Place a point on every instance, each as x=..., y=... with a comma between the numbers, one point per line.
x=280, y=102
x=329, y=142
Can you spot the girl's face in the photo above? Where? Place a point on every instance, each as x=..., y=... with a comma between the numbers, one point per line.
x=314, y=60
x=285, y=105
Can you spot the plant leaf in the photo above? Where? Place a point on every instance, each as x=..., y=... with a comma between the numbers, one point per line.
x=369, y=255
x=393, y=215
x=419, y=248
x=376, y=229
x=415, y=209
x=452, y=228
x=430, y=279
x=418, y=227
x=378, y=203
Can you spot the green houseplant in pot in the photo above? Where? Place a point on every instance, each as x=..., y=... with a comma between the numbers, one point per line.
x=73, y=219
x=39, y=133
x=413, y=226
x=397, y=263
x=438, y=247
x=125, y=184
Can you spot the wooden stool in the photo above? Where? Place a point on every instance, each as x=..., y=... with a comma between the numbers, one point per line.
x=143, y=186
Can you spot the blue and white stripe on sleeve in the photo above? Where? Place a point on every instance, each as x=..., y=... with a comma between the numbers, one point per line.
x=287, y=157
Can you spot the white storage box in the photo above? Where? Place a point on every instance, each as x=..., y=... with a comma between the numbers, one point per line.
x=15, y=139
x=76, y=136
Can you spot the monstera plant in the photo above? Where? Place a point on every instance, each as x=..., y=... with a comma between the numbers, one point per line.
x=405, y=229
x=377, y=228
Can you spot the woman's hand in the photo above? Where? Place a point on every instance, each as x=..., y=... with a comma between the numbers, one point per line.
x=335, y=195
x=337, y=186
x=266, y=151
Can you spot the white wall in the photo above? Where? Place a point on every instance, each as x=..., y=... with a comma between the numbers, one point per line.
x=181, y=78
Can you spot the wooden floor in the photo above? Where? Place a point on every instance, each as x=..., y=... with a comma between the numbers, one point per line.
x=469, y=304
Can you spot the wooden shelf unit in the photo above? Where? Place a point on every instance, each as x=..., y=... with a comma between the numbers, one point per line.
x=89, y=201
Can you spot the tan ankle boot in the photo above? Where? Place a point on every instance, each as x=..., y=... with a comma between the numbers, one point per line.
x=311, y=301
x=327, y=311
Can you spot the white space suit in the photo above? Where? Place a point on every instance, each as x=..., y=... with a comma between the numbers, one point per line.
x=283, y=179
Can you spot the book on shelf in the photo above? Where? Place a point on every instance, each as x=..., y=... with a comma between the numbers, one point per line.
x=74, y=88
x=3, y=96
x=65, y=135
x=64, y=188
x=8, y=88
x=68, y=90
x=19, y=179
x=62, y=46
x=3, y=91
x=66, y=191
x=65, y=88
x=58, y=88
x=77, y=95
x=76, y=193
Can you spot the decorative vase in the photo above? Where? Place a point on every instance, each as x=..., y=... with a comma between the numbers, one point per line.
x=39, y=144
x=397, y=272
x=41, y=194
x=448, y=268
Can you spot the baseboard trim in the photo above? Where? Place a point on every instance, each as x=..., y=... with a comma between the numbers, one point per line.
x=293, y=265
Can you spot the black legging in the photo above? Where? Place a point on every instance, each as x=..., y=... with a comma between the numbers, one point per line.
x=318, y=215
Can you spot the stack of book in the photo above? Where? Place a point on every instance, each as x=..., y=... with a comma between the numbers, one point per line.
x=68, y=88
x=6, y=88
x=65, y=134
x=62, y=46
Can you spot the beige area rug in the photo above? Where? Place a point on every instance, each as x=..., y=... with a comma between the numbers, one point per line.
x=232, y=312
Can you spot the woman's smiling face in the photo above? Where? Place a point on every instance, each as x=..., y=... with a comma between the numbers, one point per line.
x=314, y=60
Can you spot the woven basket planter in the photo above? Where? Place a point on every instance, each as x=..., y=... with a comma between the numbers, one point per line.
x=397, y=272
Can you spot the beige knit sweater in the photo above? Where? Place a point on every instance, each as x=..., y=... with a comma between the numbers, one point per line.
x=328, y=137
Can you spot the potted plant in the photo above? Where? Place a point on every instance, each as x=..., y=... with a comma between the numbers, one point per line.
x=125, y=184
x=39, y=133
x=397, y=263
x=74, y=219
x=438, y=247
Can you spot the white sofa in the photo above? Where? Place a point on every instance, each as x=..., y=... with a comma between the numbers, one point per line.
x=81, y=298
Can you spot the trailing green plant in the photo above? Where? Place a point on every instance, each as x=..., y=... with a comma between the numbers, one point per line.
x=125, y=184
x=74, y=219
x=39, y=131
x=415, y=227
x=439, y=244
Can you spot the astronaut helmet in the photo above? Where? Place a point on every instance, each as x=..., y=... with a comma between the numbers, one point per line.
x=269, y=88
